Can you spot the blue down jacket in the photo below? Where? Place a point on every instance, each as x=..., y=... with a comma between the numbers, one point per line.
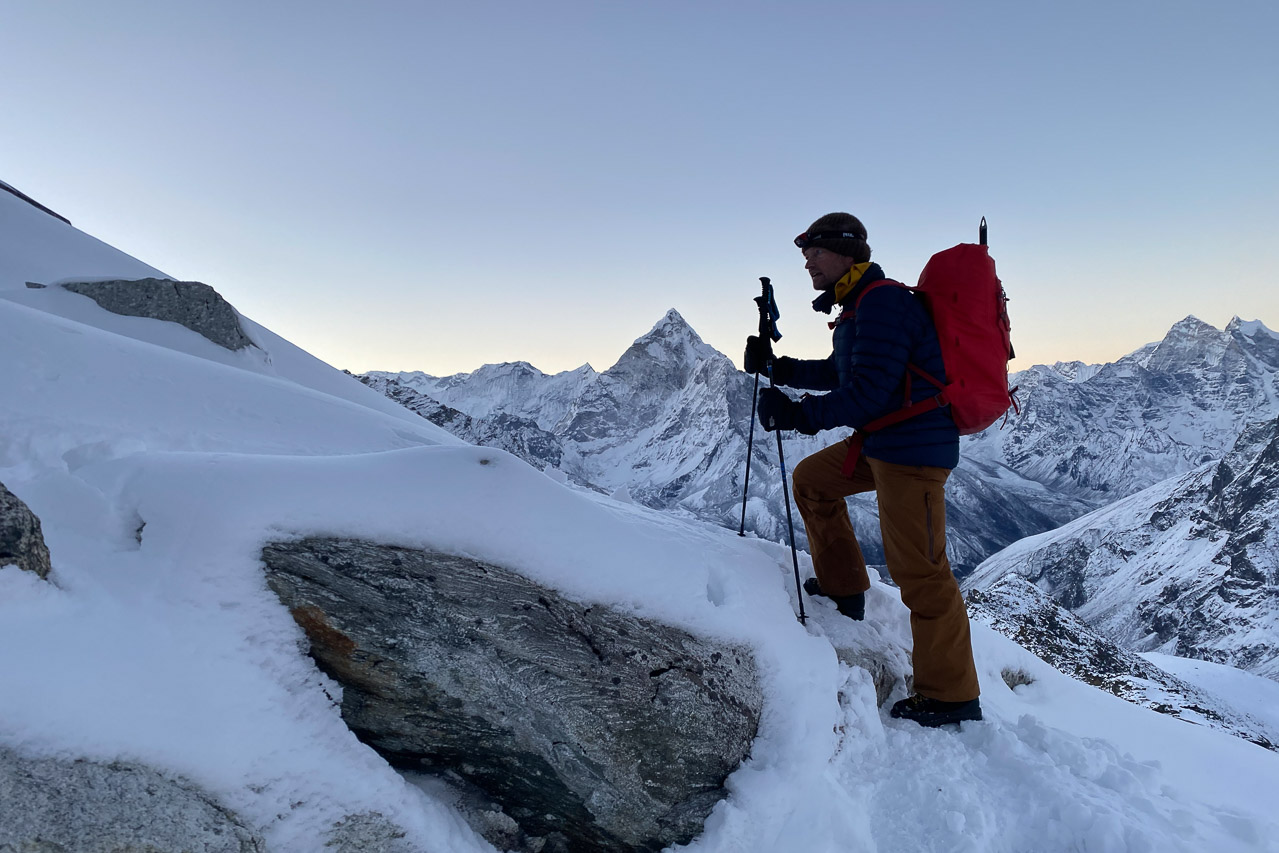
x=866, y=376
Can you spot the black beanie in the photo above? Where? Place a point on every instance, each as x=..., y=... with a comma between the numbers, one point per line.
x=844, y=223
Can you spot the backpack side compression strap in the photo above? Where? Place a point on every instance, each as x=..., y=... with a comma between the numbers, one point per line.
x=859, y=437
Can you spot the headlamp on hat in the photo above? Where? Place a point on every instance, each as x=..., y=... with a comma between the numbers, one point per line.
x=806, y=239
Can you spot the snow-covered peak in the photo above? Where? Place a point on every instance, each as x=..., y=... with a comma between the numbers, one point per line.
x=1189, y=343
x=1250, y=328
x=1075, y=371
x=672, y=332
x=673, y=324
x=671, y=347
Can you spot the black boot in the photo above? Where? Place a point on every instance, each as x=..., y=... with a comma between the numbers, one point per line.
x=934, y=712
x=853, y=606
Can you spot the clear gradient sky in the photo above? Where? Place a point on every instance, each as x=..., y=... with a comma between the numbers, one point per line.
x=438, y=185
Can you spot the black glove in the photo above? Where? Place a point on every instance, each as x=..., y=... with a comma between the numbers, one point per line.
x=777, y=411
x=758, y=356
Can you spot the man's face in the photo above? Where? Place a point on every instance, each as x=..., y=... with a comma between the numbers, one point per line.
x=825, y=267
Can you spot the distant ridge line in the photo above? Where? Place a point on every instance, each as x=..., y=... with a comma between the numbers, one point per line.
x=29, y=200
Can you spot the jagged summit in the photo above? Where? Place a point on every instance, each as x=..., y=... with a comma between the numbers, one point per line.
x=1192, y=332
x=1074, y=371
x=671, y=345
x=1250, y=328
x=1189, y=343
x=672, y=328
x=674, y=320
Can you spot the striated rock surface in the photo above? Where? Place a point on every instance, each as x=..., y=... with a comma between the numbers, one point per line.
x=188, y=303
x=21, y=539
x=590, y=728
x=49, y=805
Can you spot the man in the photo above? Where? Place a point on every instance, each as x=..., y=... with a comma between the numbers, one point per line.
x=879, y=331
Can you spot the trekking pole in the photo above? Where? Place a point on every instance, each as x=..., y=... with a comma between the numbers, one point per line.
x=750, y=440
x=768, y=333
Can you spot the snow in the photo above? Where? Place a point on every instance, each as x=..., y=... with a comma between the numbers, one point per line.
x=160, y=467
x=1234, y=687
x=1252, y=328
x=40, y=248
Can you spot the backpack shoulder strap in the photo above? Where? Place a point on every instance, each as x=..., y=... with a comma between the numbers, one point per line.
x=883, y=282
x=850, y=311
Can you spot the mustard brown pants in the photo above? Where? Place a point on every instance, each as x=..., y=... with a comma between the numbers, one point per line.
x=912, y=520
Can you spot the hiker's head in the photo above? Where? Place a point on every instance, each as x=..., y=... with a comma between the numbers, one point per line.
x=831, y=246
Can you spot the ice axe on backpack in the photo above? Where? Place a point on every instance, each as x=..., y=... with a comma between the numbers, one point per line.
x=768, y=333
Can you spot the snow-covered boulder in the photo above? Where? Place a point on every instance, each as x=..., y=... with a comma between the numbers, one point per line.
x=51, y=804
x=591, y=728
x=188, y=303
x=21, y=540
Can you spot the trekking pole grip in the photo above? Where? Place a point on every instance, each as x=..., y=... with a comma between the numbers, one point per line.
x=764, y=301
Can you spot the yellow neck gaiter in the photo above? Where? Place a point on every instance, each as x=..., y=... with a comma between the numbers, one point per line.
x=845, y=285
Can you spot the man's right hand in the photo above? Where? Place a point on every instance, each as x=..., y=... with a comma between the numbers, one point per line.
x=758, y=356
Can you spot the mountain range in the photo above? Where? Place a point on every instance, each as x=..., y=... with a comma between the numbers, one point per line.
x=670, y=422
x=1136, y=492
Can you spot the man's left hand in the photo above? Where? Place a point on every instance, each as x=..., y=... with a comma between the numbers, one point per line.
x=777, y=411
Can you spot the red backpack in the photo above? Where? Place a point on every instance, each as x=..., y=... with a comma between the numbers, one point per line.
x=970, y=311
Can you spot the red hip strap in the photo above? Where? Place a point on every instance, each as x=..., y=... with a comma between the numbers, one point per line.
x=854, y=454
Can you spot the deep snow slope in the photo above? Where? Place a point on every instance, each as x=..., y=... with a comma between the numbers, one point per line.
x=159, y=471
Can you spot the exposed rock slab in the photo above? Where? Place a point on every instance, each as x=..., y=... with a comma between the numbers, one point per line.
x=21, y=539
x=189, y=303
x=593, y=729
x=49, y=805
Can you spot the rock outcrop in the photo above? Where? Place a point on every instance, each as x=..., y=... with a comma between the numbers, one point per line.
x=590, y=728
x=188, y=303
x=21, y=539
x=49, y=805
